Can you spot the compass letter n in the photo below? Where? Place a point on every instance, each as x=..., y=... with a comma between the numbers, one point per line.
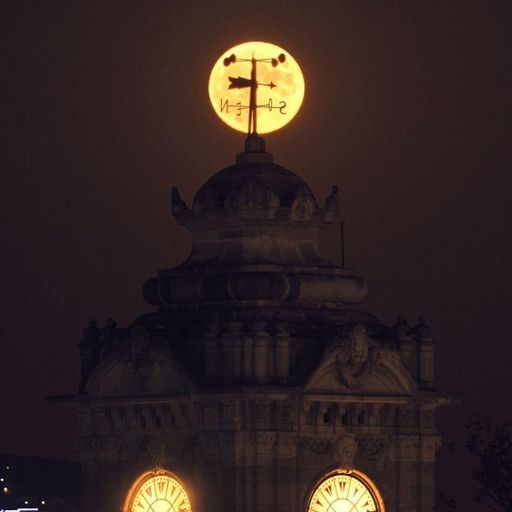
x=224, y=105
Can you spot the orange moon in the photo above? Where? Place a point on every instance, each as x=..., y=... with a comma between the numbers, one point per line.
x=280, y=103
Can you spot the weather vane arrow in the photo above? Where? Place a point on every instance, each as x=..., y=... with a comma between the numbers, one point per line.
x=240, y=82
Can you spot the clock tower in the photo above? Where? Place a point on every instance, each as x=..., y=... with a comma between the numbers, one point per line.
x=258, y=383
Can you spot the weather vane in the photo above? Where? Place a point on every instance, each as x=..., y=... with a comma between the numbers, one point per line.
x=272, y=69
x=240, y=83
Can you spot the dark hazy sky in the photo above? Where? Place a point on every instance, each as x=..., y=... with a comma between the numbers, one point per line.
x=104, y=107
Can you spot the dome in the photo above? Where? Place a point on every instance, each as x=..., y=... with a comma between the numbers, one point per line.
x=255, y=239
x=254, y=191
x=252, y=186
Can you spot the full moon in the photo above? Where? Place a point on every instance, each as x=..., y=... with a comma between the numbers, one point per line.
x=279, y=93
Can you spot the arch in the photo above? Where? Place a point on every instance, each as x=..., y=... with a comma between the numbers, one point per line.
x=157, y=490
x=340, y=481
x=120, y=376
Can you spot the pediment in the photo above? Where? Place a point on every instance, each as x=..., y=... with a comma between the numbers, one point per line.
x=116, y=377
x=139, y=368
x=356, y=367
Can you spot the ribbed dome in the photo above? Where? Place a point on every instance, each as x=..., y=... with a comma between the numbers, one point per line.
x=254, y=189
x=252, y=186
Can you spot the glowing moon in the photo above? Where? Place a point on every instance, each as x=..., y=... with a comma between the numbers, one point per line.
x=280, y=103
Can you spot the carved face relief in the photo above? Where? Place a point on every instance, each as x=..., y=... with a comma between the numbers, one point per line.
x=346, y=448
x=352, y=365
x=359, y=344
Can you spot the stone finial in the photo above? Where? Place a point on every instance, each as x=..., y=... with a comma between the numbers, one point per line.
x=139, y=342
x=401, y=327
x=177, y=204
x=110, y=330
x=331, y=205
x=421, y=330
x=89, y=352
x=279, y=327
x=332, y=202
x=91, y=332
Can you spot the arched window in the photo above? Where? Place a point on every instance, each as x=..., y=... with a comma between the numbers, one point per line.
x=345, y=491
x=157, y=491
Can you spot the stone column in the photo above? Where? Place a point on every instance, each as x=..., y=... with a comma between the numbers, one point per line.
x=282, y=351
x=261, y=351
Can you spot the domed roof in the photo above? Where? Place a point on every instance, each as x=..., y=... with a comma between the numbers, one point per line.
x=256, y=238
x=254, y=189
x=252, y=185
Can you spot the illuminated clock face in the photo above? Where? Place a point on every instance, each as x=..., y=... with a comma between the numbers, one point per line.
x=346, y=492
x=278, y=86
x=158, y=491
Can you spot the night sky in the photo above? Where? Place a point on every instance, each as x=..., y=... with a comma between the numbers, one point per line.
x=104, y=107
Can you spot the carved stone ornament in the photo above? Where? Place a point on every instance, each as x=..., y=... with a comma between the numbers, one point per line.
x=210, y=414
x=372, y=447
x=230, y=413
x=262, y=412
x=346, y=448
x=266, y=439
x=252, y=194
x=285, y=413
x=304, y=205
x=316, y=444
x=407, y=447
x=407, y=416
x=429, y=447
x=352, y=365
x=156, y=450
x=287, y=444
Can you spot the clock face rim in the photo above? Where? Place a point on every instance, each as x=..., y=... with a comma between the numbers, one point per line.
x=137, y=485
x=364, y=479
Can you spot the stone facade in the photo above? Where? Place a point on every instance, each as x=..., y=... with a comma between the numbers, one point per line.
x=255, y=375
